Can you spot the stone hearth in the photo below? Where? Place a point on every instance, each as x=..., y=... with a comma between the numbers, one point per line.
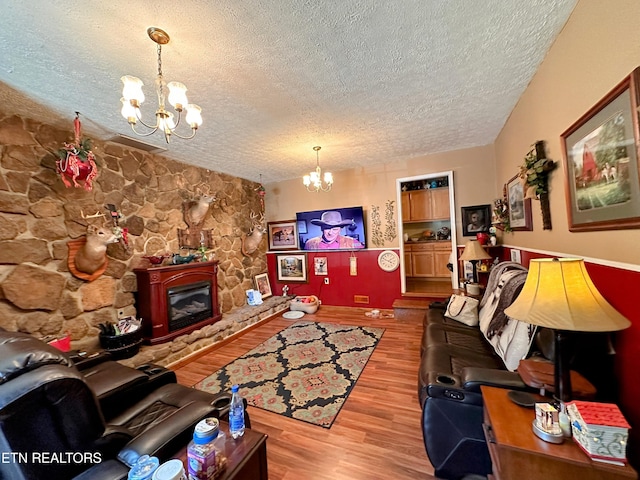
x=231, y=323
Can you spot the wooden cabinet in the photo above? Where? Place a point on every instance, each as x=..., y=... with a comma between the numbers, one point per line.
x=425, y=205
x=428, y=259
x=422, y=260
x=439, y=199
x=517, y=453
x=441, y=255
x=408, y=269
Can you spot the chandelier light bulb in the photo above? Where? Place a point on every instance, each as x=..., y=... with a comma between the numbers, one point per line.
x=177, y=95
x=132, y=89
x=128, y=111
x=194, y=117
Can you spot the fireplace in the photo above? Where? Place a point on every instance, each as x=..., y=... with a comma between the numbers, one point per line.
x=175, y=300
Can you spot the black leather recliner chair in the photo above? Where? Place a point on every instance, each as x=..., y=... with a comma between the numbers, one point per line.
x=51, y=421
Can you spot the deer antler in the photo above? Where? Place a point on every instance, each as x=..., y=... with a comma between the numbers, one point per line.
x=95, y=215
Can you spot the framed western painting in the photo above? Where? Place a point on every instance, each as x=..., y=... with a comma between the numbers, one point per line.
x=600, y=157
x=283, y=235
x=475, y=219
x=262, y=284
x=292, y=267
x=519, y=207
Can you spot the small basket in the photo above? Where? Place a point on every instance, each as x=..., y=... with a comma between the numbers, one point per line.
x=297, y=304
x=122, y=346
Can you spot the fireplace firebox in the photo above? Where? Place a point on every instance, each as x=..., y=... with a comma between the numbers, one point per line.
x=175, y=300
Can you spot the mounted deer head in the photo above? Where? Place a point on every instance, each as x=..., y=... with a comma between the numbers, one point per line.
x=196, y=209
x=251, y=241
x=93, y=254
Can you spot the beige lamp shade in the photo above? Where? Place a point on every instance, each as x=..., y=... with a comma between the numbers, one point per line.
x=474, y=251
x=558, y=293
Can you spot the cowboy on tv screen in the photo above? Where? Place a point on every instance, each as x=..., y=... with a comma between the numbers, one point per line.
x=331, y=229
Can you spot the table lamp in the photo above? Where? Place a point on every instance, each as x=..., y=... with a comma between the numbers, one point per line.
x=559, y=294
x=473, y=253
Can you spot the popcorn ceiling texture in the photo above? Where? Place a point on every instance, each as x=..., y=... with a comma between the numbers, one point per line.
x=39, y=215
x=371, y=82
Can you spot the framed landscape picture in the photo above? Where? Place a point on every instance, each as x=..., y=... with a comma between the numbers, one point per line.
x=519, y=207
x=292, y=267
x=602, y=180
x=283, y=235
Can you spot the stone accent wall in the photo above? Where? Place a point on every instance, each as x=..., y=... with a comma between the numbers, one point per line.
x=39, y=215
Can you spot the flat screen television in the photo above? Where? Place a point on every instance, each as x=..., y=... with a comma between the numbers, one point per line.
x=331, y=229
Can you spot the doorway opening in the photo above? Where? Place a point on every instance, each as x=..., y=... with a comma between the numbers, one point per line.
x=426, y=222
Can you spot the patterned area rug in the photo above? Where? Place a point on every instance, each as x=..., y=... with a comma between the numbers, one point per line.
x=305, y=372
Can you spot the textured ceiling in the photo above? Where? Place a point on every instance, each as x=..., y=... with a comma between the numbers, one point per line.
x=370, y=81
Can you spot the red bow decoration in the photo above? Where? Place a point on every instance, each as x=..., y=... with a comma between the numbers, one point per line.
x=76, y=161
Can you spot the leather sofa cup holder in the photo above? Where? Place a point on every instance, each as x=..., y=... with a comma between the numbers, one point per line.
x=150, y=369
x=221, y=403
x=445, y=380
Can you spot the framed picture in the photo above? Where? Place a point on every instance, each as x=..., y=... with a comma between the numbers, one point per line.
x=519, y=207
x=320, y=266
x=476, y=219
x=262, y=284
x=283, y=235
x=292, y=267
x=600, y=158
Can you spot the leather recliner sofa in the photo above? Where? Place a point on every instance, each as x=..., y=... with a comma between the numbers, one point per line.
x=52, y=426
x=457, y=360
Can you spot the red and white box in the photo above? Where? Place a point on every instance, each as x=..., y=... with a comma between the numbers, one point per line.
x=600, y=430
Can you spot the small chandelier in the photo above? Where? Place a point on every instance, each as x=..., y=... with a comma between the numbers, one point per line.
x=132, y=98
x=314, y=181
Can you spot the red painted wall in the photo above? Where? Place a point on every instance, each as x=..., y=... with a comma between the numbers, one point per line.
x=381, y=287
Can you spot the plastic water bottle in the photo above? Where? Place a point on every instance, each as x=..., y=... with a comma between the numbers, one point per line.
x=236, y=413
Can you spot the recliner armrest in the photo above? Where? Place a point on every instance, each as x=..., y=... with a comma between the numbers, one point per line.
x=84, y=361
x=473, y=377
x=166, y=437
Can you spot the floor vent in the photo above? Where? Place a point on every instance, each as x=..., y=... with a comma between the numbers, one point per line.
x=360, y=299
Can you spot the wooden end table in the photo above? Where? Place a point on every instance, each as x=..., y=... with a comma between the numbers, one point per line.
x=517, y=453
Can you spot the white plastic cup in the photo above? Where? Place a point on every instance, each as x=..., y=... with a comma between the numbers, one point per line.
x=171, y=470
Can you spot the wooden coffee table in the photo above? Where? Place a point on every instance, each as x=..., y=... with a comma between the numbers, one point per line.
x=246, y=456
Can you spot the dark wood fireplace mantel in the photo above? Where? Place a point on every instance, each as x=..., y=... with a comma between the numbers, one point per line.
x=152, y=297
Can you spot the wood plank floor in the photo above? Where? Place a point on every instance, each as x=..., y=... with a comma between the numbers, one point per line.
x=377, y=433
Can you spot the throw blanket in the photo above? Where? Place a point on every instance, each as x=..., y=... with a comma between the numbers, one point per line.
x=511, y=339
x=496, y=273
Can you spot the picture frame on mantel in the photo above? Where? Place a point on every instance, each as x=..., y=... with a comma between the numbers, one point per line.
x=600, y=155
x=520, y=218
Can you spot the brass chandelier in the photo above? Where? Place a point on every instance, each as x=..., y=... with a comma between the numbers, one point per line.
x=173, y=92
x=315, y=181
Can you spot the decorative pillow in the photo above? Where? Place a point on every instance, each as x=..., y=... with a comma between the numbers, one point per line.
x=463, y=309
